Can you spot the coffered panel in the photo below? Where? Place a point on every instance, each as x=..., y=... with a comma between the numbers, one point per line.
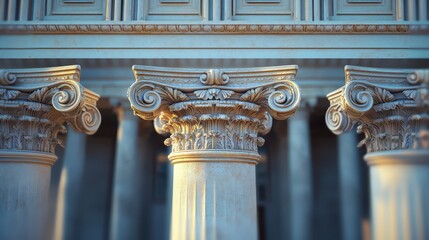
x=363, y=10
x=262, y=9
x=174, y=9
x=75, y=10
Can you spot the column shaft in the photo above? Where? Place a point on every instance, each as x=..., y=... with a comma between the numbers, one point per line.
x=70, y=185
x=349, y=187
x=214, y=200
x=300, y=176
x=124, y=206
x=24, y=194
x=399, y=194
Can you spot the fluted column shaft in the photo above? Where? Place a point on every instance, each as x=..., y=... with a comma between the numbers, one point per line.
x=213, y=118
x=70, y=185
x=399, y=194
x=125, y=209
x=300, y=171
x=350, y=190
x=34, y=106
x=214, y=196
x=391, y=107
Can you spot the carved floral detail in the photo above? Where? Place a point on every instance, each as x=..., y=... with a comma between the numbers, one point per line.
x=213, y=93
x=115, y=28
x=227, y=117
x=214, y=131
x=389, y=114
x=8, y=94
x=33, y=117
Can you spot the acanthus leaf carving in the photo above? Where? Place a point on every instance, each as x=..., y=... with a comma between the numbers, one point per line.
x=213, y=93
x=256, y=95
x=43, y=95
x=383, y=95
x=173, y=95
x=411, y=94
x=35, y=107
x=388, y=113
x=219, y=110
x=6, y=94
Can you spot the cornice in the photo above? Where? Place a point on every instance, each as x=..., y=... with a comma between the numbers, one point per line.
x=212, y=28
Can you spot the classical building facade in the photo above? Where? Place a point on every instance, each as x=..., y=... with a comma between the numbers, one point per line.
x=214, y=119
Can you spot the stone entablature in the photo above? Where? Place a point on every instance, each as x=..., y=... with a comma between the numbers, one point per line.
x=214, y=109
x=36, y=103
x=390, y=107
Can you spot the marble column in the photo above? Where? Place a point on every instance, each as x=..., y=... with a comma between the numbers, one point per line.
x=350, y=190
x=391, y=108
x=214, y=117
x=300, y=172
x=125, y=212
x=70, y=185
x=34, y=106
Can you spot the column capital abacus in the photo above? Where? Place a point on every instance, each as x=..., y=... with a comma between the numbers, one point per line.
x=214, y=109
x=390, y=107
x=36, y=103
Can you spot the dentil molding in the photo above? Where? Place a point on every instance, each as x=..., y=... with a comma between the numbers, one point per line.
x=36, y=103
x=207, y=28
x=208, y=109
x=390, y=106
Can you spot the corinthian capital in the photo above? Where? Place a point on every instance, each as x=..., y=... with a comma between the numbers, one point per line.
x=390, y=106
x=214, y=108
x=36, y=103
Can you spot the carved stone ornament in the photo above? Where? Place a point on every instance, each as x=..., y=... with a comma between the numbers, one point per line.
x=214, y=109
x=390, y=106
x=35, y=104
x=207, y=28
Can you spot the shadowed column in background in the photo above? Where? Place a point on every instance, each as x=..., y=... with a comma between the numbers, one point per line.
x=350, y=189
x=70, y=186
x=125, y=212
x=300, y=171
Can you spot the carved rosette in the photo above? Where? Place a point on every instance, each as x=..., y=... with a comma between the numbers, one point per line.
x=391, y=107
x=214, y=109
x=36, y=103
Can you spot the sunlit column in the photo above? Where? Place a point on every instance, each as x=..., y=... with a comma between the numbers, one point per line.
x=391, y=107
x=35, y=104
x=300, y=171
x=69, y=187
x=125, y=207
x=214, y=118
x=350, y=189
